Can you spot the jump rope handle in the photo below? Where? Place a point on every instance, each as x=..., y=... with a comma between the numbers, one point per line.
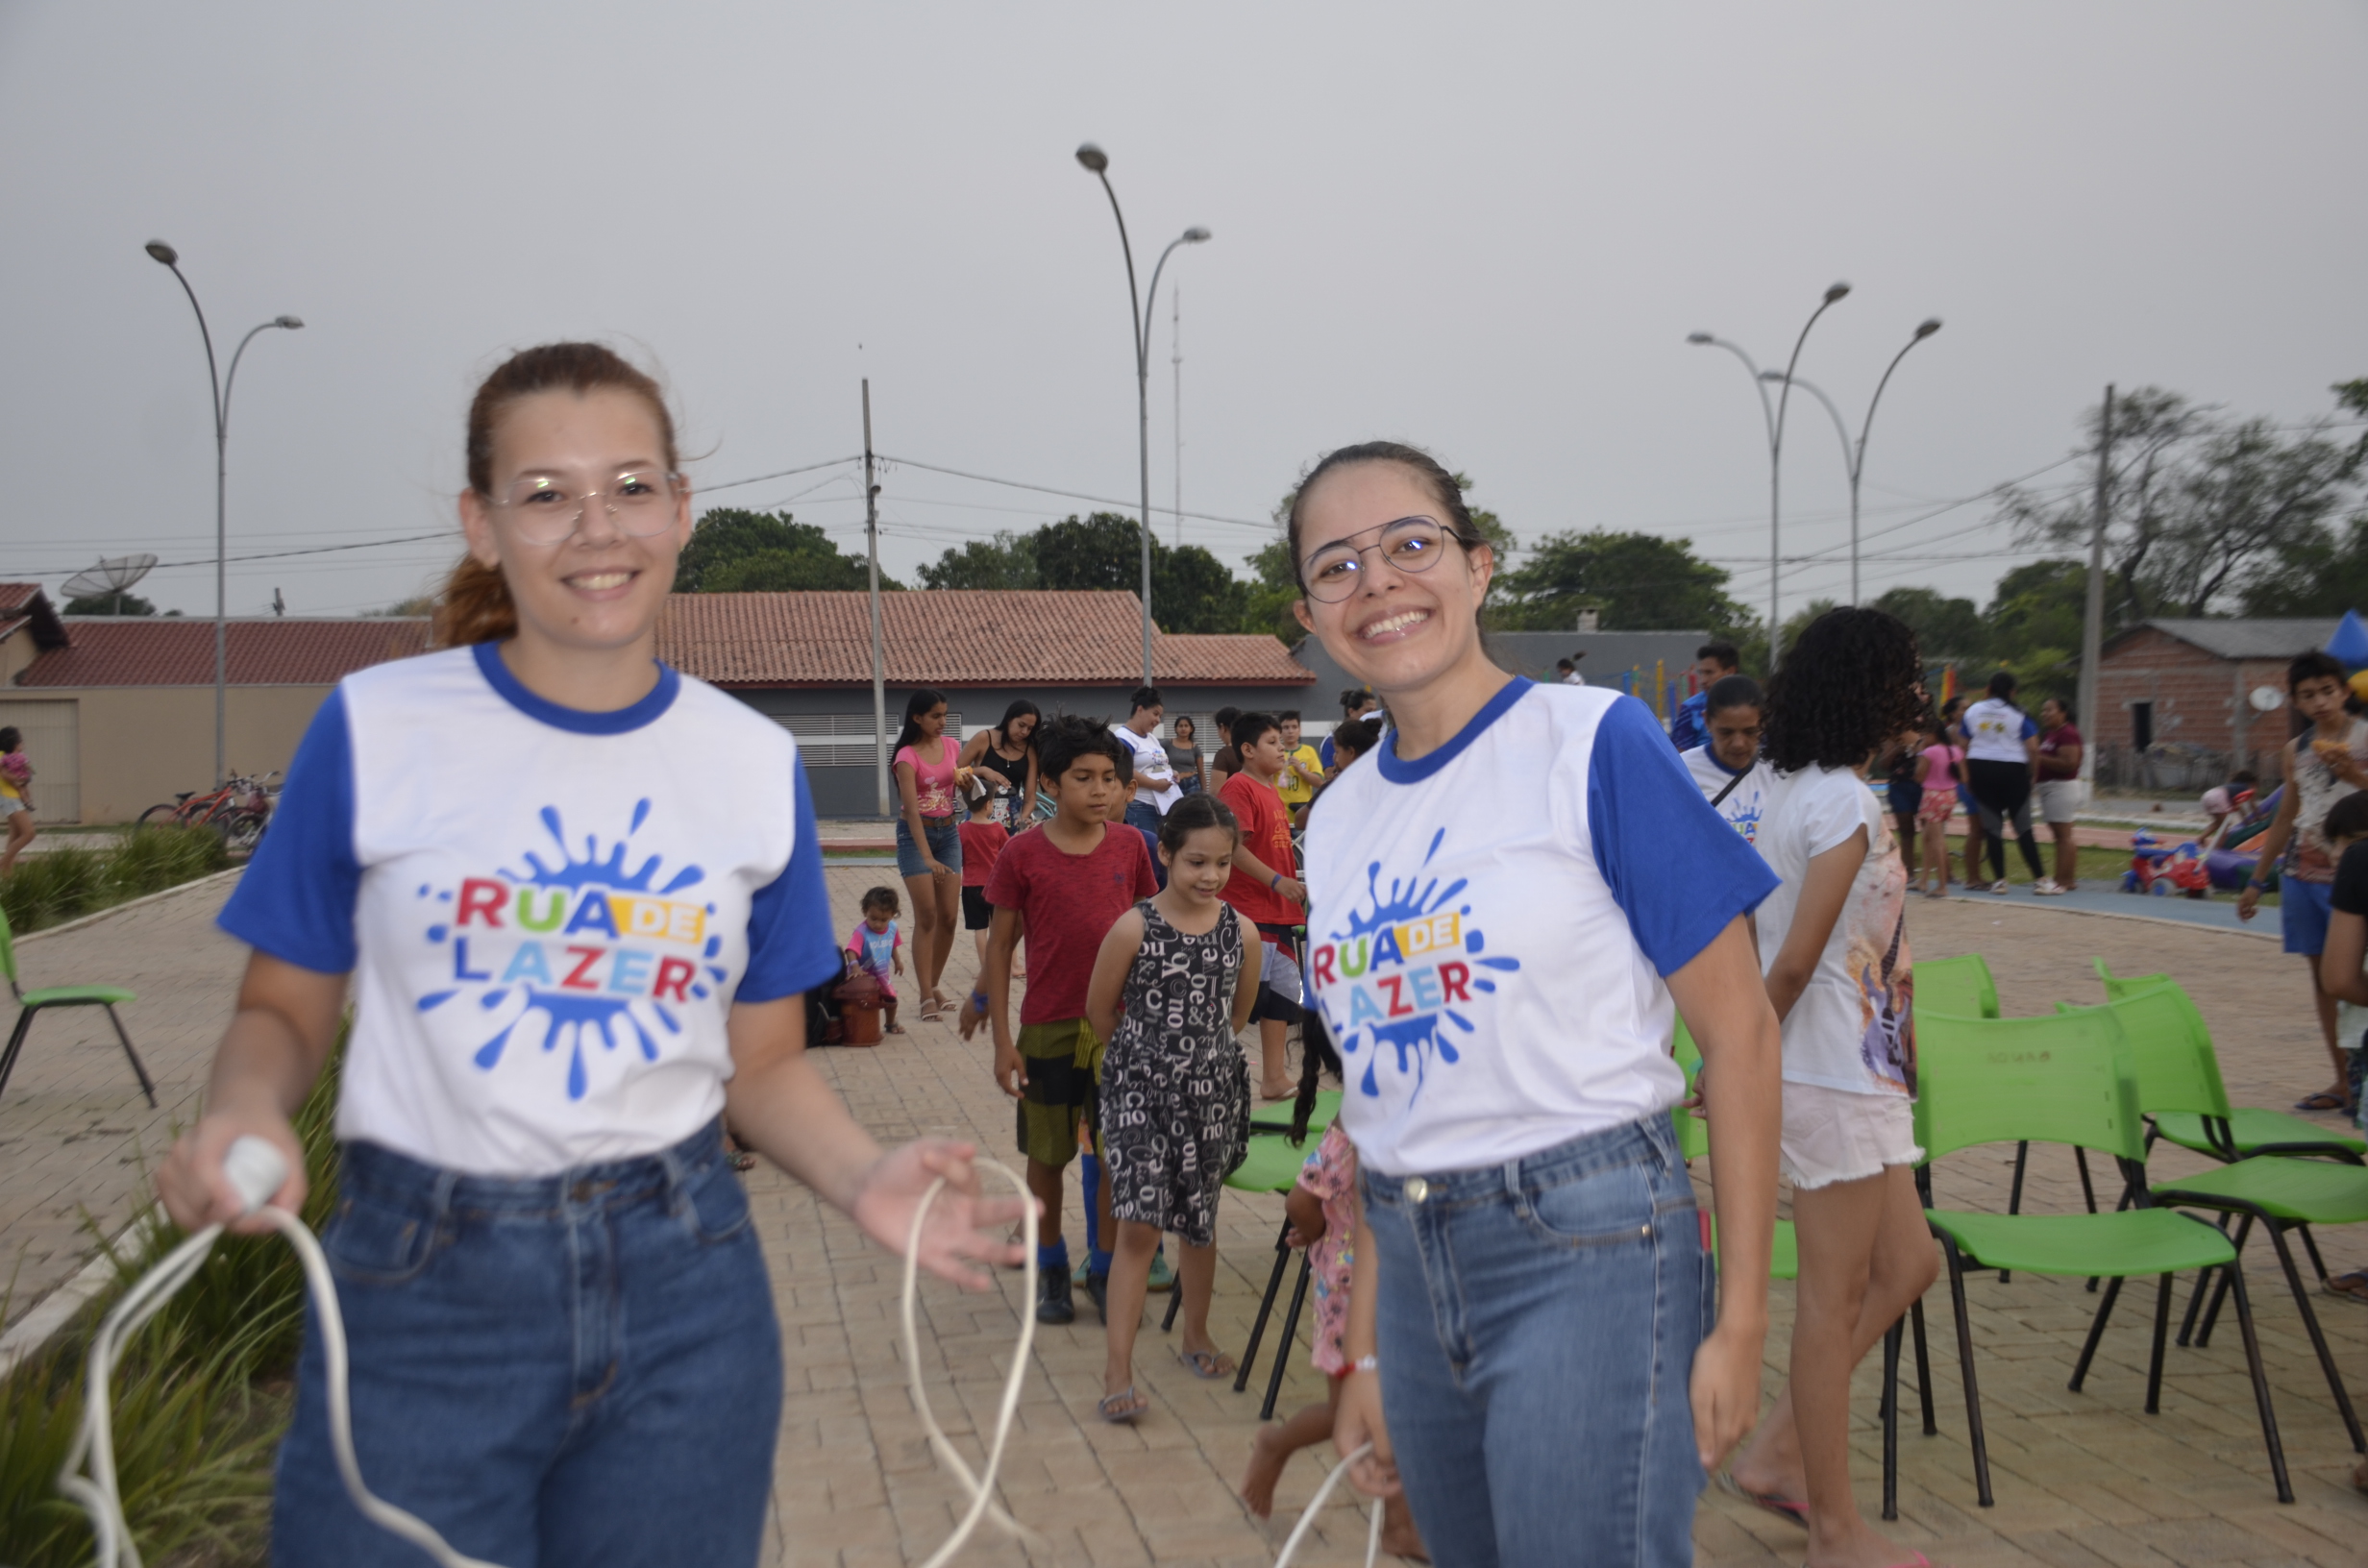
x=256, y=1169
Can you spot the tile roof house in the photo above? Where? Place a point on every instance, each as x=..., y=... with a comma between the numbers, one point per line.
x=118, y=715
x=2190, y=684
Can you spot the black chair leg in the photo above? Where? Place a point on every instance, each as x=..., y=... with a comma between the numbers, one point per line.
x=16, y=1044
x=1266, y=1306
x=2260, y=1388
x=1291, y=1330
x=2311, y=1245
x=1923, y=1367
x=1965, y=1360
x=147, y=1084
x=2096, y=1332
x=2318, y=1340
x=1890, y=1421
x=2088, y=1191
x=2195, y=1308
x=2014, y=1198
x=1175, y=1305
x=2163, y=1331
x=2220, y=1292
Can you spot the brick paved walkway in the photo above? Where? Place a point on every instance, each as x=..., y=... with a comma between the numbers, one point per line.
x=2082, y=1479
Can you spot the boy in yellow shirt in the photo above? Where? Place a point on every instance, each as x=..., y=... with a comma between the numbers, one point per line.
x=1302, y=769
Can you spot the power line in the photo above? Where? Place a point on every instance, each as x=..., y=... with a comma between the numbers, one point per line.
x=1071, y=495
x=781, y=474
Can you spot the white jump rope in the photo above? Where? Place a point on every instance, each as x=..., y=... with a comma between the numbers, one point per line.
x=256, y=1170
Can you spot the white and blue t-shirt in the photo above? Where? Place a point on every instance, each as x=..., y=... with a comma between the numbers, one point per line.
x=547, y=911
x=1742, y=802
x=1995, y=730
x=1491, y=924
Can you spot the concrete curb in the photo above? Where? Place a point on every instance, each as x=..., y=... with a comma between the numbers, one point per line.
x=2117, y=915
x=113, y=910
x=29, y=1334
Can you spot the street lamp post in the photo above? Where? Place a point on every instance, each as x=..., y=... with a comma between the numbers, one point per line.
x=1854, y=456
x=1097, y=162
x=220, y=385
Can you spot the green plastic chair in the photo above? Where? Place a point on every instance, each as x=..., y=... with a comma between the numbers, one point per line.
x=31, y=1002
x=2066, y=1078
x=1694, y=1142
x=1959, y=987
x=2243, y=1130
x=1271, y=1163
x=1319, y=1122
x=2177, y=1073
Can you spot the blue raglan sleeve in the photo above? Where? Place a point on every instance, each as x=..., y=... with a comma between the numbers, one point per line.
x=1676, y=870
x=296, y=899
x=791, y=947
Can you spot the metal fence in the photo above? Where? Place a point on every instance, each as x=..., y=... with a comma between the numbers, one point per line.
x=2165, y=767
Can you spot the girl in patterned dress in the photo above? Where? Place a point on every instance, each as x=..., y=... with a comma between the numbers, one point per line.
x=1170, y=991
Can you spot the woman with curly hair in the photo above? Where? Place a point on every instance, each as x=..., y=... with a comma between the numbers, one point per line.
x=1833, y=942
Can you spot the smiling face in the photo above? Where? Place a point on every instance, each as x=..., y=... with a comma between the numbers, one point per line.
x=600, y=588
x=1200, y=868
x=1397, y=630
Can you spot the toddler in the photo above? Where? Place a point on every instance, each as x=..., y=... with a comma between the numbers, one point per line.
x=983, y=838
x=879, y=947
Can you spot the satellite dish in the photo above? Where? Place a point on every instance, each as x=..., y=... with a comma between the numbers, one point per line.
x=114, y=575
x=2267, y=699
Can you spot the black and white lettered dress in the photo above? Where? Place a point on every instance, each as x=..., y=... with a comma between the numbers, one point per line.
x=1175, y=1086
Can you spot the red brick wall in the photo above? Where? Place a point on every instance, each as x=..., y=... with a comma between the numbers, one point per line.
x=2194, y=693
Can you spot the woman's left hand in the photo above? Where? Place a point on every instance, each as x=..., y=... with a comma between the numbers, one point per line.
x=962, y=1227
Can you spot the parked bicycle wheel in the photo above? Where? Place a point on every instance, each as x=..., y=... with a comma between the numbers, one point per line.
x=161, y=817
x=241, y=830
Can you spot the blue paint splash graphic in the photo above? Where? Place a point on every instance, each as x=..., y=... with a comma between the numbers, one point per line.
x=593, y=869
x=1417, y=1040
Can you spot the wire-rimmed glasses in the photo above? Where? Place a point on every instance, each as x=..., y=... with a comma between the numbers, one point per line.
x=546, y=510
x=1411, y=544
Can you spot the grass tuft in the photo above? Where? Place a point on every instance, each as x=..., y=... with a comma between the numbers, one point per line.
x=65, y=884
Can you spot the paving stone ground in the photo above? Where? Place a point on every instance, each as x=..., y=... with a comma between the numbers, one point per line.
x=2082, y=1479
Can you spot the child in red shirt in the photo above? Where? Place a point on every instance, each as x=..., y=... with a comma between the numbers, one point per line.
x=982, y=839
x=1265, y=886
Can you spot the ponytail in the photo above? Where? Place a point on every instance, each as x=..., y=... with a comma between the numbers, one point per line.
x=474, y=607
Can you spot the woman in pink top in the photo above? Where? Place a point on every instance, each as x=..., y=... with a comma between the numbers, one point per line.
x=1939, y=769
x=929, y=840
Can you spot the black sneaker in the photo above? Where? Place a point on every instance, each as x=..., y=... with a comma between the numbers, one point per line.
x=1097, y=1286
x=1052, y=1299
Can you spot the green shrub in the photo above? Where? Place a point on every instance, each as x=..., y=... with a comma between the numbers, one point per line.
x=201, y=1394
x=62, y=884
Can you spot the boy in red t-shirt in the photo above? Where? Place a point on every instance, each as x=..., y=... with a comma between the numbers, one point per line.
x=1263, y=886
x=982, y=839
x=1062, y=885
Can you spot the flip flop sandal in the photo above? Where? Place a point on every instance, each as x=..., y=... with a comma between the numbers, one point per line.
x=1208, y=1366
x=742, y=1160
x=1122, y=1409
x=2323, y=1100
x=2351, y=1286
x=1775, y=1502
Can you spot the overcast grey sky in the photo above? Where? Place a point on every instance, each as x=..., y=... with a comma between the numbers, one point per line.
x=1487, y=229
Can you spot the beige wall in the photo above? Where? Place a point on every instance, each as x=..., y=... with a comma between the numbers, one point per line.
x=143, y=745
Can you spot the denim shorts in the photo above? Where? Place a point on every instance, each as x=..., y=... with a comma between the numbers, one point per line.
x=2305, y=910
x=1538, y=1322
x=945, y=843
x=563, y=1370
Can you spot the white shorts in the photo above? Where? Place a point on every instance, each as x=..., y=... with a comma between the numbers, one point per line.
x=10, y=806
x=2060, y=799
x=1830, y=1135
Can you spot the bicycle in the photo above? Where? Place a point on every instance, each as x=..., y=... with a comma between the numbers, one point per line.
x=240, y=811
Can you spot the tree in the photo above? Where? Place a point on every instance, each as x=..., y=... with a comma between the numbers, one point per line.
x=416, y=604
x=732, y=550
x=2325, y=574
x=2035, y=621
x=1945, y=629
x=1191, y=589
x=1635, y=582
x=116, y=604
x=1008, y=560
x=2196, y=506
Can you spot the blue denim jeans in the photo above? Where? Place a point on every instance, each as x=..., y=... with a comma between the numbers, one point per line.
x=1538, y=1322
x=574, y=1369
x=945, y=843
x=1140, y=813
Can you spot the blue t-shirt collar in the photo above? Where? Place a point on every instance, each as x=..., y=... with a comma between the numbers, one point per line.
x=615, y=721
x=1398, y=771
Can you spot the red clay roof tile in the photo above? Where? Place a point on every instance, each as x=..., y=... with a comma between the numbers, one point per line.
x=173, y=652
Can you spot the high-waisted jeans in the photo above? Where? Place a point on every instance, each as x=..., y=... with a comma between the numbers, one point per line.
x=1538, y=1326
x=572, y=1369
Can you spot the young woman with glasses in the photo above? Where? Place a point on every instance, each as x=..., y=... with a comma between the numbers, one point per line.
x=577, y=898
x=1512, y=900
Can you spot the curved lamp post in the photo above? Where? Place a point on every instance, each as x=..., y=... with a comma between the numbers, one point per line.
x=1097, y=162
x=1775, y=454
x=220, y=385
x=1854, y=456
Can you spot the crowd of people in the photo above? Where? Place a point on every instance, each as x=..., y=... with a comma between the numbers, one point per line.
x=1487, y=917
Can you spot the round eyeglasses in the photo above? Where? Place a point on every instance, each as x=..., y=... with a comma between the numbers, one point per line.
x=547, y=510
x=1410, y=544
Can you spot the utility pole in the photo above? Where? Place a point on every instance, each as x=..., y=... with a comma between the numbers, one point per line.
x=2092, y=622
x=879, y=663
x=1175, y=358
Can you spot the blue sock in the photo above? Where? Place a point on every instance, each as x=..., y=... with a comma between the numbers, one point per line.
x=1089, y=1175
x=1052, y=1258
